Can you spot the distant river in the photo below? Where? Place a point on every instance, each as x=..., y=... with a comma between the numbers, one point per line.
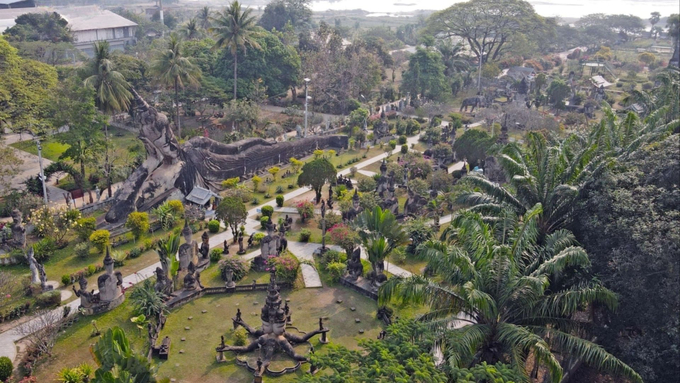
x=563, y=8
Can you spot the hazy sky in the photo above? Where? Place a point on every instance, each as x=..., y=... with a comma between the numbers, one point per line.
x=563, y=8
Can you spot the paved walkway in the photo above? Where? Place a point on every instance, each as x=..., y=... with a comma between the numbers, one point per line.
x=8, y=338
x=366, y=173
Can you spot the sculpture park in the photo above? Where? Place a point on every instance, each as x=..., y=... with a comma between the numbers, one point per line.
x=293, y=191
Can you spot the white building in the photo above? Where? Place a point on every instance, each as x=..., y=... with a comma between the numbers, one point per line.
x=89, y=24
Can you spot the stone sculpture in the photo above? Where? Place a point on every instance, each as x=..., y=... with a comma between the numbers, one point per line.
x=205, y=246
x=110, y=293
x=190, y=278
x=18, y=230
x=188, y=250
x=269, y=246
x=87, y=298
x=474, y=102
x=272, y=336
x=354, y=210
x=354, y=267
x=173, y=168
x=33, y=266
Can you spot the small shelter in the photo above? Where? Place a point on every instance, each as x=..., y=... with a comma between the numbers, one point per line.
x=201, y=196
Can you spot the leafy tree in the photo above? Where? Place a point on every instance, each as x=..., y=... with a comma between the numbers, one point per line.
x=5, y=368
x=40, y=27
x=233, y=213
x=235, y=29
x=73, y=105
x=172, y=68
x=403, y=356
x=380, y=234
x=204, y=18
x=278, y=13
x=473, y=146
x=269, y=64
x=654, y=19
x=191, y=30
x=243, y=115
x=138, y=223
x=167, y=249
x=627, y=220
x=24, y=88
x=112, y=92
x=557, y=91
x=146, y=300
x=117, y=361
x=488, y=26
x=315, y=174
x=425, y=74
x=508, y=296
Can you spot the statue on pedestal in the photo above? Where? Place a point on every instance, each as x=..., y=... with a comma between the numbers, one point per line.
x=18, y=230
x=188, y=250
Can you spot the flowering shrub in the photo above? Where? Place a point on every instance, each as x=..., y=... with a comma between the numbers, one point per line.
x=177, y=207
x=343, y=236
x=305, y=209
x=286, y=267
x=100, y=239
x=54, y=222
x=84, y=227
x=305, y=234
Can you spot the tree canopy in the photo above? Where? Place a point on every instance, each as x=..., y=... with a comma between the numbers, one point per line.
x=473, y=146
x=317, y=173
x=278, y=13
x=232, y=212
x=40, y=27
x=425, y=74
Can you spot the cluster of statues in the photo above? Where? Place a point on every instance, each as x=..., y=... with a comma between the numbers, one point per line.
x=272, y=335
x=110, y=294
x=273, y=244
x=385, y=189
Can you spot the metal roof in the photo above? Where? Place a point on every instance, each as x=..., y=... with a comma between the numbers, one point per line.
x=91, y=18
x=200, y=196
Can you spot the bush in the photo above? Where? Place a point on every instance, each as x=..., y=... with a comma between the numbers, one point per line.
x=619, y=85
x=332, y=256
x=91, y=269
x=366, y=185
x=6, y=368
x=286, y=267
x=82, y=249
x=85, y=227
x=177, y=207
x=291, y=186
x=306, y=210
x=279, y=190
x=240, y=337
x=66, y=279
x=279, y=200
x=215, y=254
x=214, y=226
x=230, y=183
x=336, y=270
x=264, y=221
x=100, y=239
x=135, y=252
x=305, y=234
x=48, y=299
x=148, y=244
x=366, y=265
x=267, y=211
x=257, y=238
x=267, y=195
x=402, y=140
x=44, y=249
x=353, y=171
x=399, y=256
x=138, y=223
x=236, y=265
x=256, y=201
x=404, y=149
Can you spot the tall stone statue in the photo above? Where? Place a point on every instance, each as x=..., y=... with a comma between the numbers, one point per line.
x=33, y=266
x=170, y=167
x=205, y=245
x=354, y=267
x=87, y=298
x=188, y=250
x=18, y=230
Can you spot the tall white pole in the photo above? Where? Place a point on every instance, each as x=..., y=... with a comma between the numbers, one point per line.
x=306, y=100
x=479, y=71
x=42, y=175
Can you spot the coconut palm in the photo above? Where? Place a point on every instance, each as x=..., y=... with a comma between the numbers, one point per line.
x=167, y=253
x=551, y=173
x=204, y=17
x=501, y=297
x=191, y=29
x=173, y=69
x=112, y=93
x=380, y=234
x=235, y=29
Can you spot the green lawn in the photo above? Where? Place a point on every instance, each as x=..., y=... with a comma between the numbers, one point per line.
x=51, y=149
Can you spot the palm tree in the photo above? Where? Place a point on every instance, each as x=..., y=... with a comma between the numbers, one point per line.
x=380, y=233
x=112, y=93
x=551, y=173
x=235, y=30
x=191, y=29
x=167, y=253
x=500, y=297
x=173, y=69
x=204, y=18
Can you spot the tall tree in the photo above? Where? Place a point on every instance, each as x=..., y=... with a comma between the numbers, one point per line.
x=24, y=89
x=280, y=12
x=191, y=29
x=486, y=25
x=627, y=220
x=204, y=18
x=112, y=93
x=315, y=174
x=380, y=234
x=73, y=105
x=235, y=29
x=425, y=74
x=500, y=297
x=172, y=68
x=653, y=19
x=233, y=213
x=40, y=27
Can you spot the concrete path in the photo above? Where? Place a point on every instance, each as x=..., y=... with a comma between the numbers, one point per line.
x=305, y=252
x=366, y=173
x=457, y=166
